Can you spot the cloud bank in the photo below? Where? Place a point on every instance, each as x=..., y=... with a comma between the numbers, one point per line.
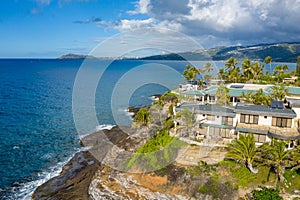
x=221, y=22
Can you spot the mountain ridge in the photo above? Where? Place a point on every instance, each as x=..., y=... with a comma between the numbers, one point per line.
x=280, y=52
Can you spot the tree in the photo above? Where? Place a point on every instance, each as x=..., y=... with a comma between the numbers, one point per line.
x=280, y=70
x=279, y=92
x=277, y=156
x=208, y=68
x=298, y=66
x=191, y=72
x=257, y=70
x=248, y=97
x=247, y=69
x=207, y=71
x=230, y=67
x=223, y=75
x=243, y=150
x=222, y=95
x=268, y=60
x=230, y=64
x=259, y=98
x=143, y=116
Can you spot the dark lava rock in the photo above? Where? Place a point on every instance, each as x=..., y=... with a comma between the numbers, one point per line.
x=73, y=181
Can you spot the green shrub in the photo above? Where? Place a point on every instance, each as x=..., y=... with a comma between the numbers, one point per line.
x=156, y=153
x=266, y=194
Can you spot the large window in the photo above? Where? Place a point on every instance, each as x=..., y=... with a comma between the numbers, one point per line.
x=227, y=121
x=217, y=132
x=281, y=122
x=257, y=137
x=249, y=119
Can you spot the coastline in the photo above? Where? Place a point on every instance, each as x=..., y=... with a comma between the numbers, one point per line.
x=75, y=176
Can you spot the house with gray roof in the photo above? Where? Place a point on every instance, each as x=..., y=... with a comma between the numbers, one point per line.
x=265, y=122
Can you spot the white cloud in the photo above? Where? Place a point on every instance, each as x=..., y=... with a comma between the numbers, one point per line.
x=141, y=7
x=125, y=25
x=226, y=21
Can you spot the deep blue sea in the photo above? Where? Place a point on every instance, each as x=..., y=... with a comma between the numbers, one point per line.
x=37, y=131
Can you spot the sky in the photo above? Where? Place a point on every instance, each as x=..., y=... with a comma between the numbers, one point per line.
x=51, y=28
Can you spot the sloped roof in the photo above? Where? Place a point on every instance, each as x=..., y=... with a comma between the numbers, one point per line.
x=208, y=109
x=264, y=110
x=194, y=92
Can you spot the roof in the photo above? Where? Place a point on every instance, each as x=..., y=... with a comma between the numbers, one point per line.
x=293, y=90
x=208, y=109
x=211, y=90
x=194, y=92
x=293, y=102
x=254, y=131
x=217, y=126
x=264, y=110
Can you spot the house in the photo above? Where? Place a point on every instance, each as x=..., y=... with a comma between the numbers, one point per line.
x=208, y=95
x=265, y=122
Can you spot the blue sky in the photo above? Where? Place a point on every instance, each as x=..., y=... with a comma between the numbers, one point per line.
x=49, y=28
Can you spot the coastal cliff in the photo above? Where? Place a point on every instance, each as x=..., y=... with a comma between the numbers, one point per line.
x=92, y=175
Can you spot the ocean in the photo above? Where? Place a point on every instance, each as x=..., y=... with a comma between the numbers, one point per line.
x=38, y=132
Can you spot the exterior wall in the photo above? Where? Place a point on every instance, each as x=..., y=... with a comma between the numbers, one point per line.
x=265, y=121
x=297, y=111
x=238, y=117
x=199, y=117
x=235, y=120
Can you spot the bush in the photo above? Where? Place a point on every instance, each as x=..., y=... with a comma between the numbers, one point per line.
x=266, y=194
x=218, y=189
x=156, y=153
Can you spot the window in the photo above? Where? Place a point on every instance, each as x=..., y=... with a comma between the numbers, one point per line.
x=225, y=133
x=212, y=98
x=281, y=122
x=249, y=119
x=210, y=117
x=257, y=137
x=214, y=132
x=265, y=117
x=227, y=121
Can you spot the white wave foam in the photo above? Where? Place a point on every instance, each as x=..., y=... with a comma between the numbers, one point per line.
x=24, y=191
x=104, y=127
x=97, y=128
x=154, y=98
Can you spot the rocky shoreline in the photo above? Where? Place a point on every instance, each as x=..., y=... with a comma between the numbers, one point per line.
x=97, y=173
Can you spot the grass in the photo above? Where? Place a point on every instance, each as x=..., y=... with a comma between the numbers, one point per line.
x=244, y=178
x=293, y=180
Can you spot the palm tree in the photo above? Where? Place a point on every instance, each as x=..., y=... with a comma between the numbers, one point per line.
x=279, y=92
x=268, y=60
x=257, y=70
x=248, y=97
x=222, y=74
x=247, y=69
x=208, y=68
x=222, y=95
x=243, y=150
x=277, y=156
x=230, y=64
x=281, y=69
x=298, y=66
x=191, y=72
